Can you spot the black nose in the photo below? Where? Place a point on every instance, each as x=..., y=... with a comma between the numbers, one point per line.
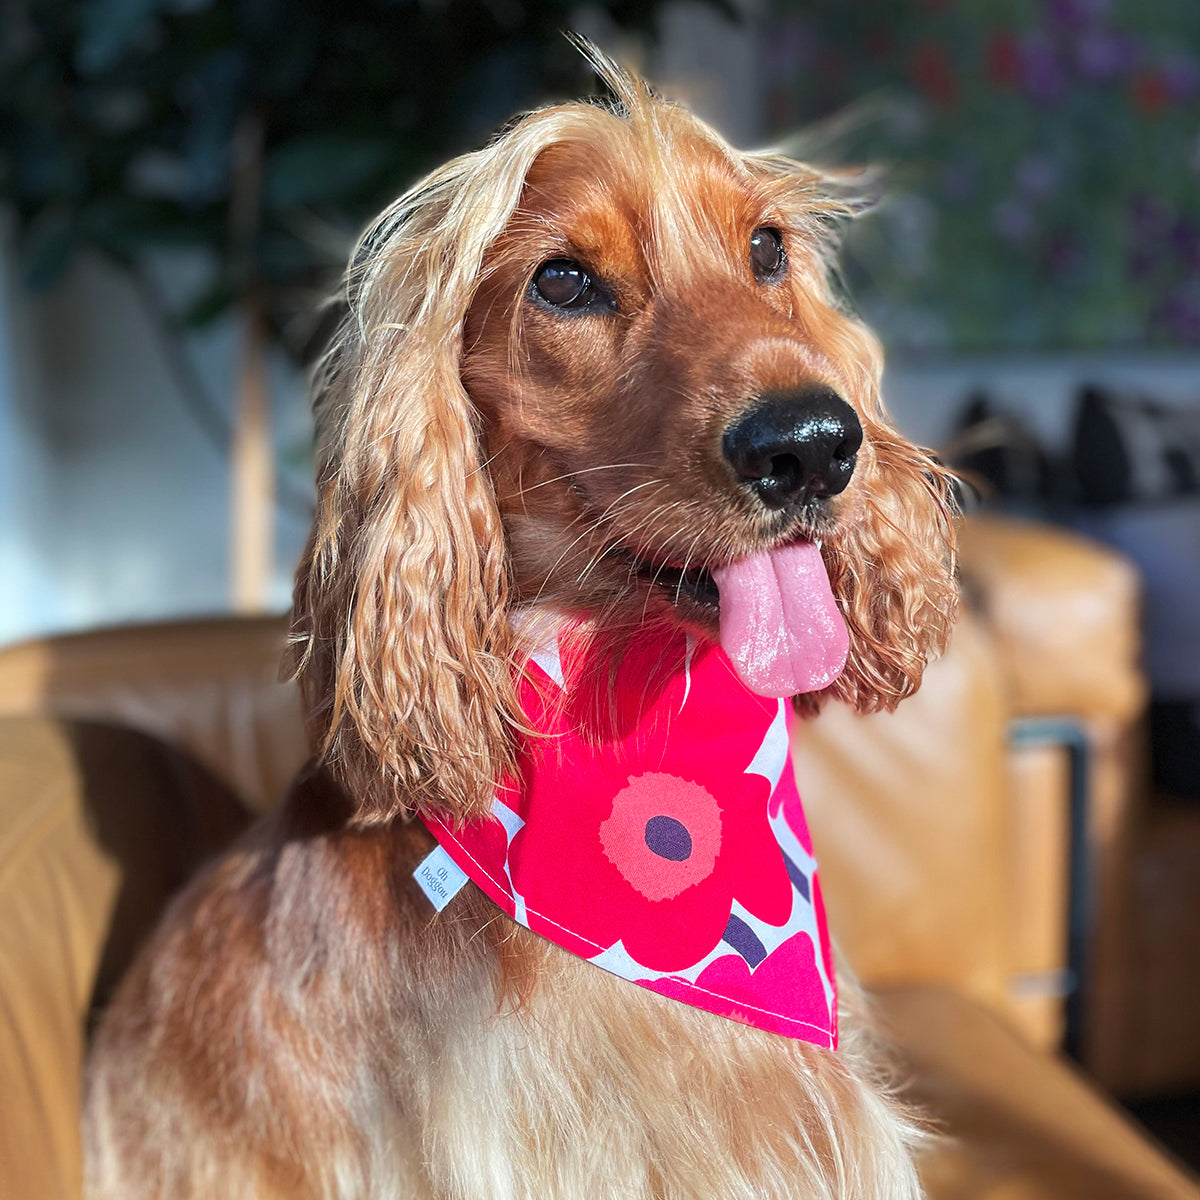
x=795, y=446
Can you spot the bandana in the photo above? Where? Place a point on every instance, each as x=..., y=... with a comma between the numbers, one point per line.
x=656, y=831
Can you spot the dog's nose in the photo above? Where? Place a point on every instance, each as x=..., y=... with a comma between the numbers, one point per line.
x=795, y=446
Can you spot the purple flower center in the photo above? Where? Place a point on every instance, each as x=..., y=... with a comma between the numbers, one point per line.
x=668, y=838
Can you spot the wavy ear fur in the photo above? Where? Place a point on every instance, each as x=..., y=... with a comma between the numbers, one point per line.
x=401, y=638
x=893, y=565
x=894, y=573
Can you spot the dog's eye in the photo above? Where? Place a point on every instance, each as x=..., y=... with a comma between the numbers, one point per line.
x=563, y=283
x=767, y=258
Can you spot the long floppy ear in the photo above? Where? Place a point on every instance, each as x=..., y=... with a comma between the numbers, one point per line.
x=893, y=572
x=400, y=632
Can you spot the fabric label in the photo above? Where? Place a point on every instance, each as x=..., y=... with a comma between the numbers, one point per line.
x=440, y=877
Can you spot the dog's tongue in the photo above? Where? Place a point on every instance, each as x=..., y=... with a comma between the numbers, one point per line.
x=780, y=626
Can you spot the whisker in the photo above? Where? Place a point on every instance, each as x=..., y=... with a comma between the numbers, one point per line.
x=687, y=561
x=581, y=471
x=654, y=516
x=662, y=567
x=596, y=524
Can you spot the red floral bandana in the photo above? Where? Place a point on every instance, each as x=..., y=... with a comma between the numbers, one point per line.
x=670, y=849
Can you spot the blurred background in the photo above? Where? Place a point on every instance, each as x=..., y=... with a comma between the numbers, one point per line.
x=181, y=182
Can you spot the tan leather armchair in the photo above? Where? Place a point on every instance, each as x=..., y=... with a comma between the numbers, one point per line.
x=917, y=818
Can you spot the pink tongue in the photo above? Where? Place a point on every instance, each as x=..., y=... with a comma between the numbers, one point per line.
x=780, y=626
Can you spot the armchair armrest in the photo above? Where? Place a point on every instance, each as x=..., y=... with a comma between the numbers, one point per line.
x=1022, y=1125
x=1064, y=615
x=99, y=825
x=209, y=687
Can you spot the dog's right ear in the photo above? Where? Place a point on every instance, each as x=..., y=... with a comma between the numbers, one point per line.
x=401, y=637
x=400, y=621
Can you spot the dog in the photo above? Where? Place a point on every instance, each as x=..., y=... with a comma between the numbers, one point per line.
x=583, y=371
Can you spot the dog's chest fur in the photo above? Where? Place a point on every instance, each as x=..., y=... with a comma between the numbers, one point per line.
x=376, y=1050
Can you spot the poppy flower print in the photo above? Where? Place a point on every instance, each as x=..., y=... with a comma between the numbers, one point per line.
x=767, y=994
x=664, y=842
x=663, y=834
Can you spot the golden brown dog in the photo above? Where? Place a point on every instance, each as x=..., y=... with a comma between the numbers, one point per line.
x=565, y=362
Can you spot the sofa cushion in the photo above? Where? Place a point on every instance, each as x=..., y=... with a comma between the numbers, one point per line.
x=1064, y=613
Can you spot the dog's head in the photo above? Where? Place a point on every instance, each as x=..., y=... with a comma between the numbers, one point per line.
x=598, y=365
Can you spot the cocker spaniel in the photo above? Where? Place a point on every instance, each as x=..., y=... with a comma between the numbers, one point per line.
x=594, y=372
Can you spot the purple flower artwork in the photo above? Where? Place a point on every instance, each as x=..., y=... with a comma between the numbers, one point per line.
x=1052, y=150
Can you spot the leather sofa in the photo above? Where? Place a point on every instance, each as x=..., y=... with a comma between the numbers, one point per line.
x=127, y=756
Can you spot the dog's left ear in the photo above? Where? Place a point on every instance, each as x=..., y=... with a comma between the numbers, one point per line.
x=401, y=638
x=892, y=569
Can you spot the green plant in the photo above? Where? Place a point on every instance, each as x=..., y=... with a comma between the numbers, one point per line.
x=263, y=131
x=261, y=134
